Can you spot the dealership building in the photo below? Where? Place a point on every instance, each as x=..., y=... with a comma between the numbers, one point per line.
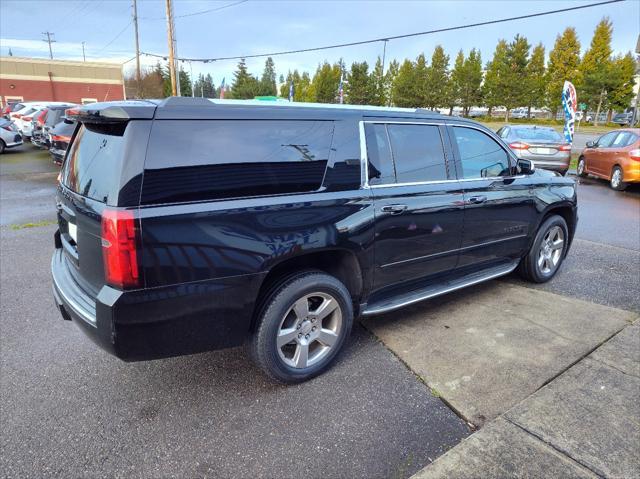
x=37, y=79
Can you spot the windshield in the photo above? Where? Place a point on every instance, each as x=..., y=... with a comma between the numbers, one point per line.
x=537, y=134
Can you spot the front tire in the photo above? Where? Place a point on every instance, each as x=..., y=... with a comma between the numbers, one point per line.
x=581, y=168
x=302, y=327
x=617, y=180
x=547, y=252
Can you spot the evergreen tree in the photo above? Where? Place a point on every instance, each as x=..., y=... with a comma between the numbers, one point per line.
x=378, y=87
x=437, y=84
x=420, y=74
x=597, y=69
x=244, y=85
x=284, y=85
x=268, y=80
x=491, y=89
x=513, y=82
x=624, y=68
x=305, y=92
x=564, y=63
x=326, y=82
x=403, y=91
x=536, y=81
x=457, y=81
x=358, y=89
x=185, y=83
x=281, y=79
x=389, y=80
x=471, y=94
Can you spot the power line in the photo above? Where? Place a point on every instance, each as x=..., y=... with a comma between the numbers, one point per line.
x=394, y=37
x=202, y=12
x=117, y=36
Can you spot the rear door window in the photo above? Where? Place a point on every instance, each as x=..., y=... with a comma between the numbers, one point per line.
x=480, y=155
x=93, y=164
x=218, y=159
x=418, y=153
x=380, y=164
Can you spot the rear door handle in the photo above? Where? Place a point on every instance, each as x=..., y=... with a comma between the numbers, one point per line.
x=394, y=209
x=476, y=200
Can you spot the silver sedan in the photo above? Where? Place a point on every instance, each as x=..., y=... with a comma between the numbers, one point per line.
x=541, y=144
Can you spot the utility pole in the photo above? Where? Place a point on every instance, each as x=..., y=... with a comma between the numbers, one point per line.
x=135, y=25
x=49, y=41
x=84, y=58
x=192, y=83
x=172, y=61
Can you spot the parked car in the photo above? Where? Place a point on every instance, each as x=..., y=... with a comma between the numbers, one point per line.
x=9, y=136
x=520, y=113
x=37, y=128
x=623, y=119
x=54, y=116
x=615, y=156
x=541, y=144
x=60, y=138
x=189, y=225
x=9, y=107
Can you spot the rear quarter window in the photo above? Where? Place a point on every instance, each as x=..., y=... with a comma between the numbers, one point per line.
x=93, y=164
x=195, y=160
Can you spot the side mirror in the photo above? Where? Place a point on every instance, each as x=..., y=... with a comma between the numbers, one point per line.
x=526, y=167
x=591, y=144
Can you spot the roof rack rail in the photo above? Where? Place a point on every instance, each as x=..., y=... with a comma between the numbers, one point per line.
x=185, y=101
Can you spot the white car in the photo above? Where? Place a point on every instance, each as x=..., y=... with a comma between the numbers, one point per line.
x=9, y=136
x=22, y=116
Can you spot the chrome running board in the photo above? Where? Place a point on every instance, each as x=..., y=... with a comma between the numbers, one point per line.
x=432, y=291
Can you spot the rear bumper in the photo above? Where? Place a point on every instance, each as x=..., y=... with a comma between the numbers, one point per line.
x=57, y=155
x=159, y=322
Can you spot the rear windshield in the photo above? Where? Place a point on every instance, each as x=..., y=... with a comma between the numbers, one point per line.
x=53, y=116
x=537, y=134
x=92, y=167
x=64, y=129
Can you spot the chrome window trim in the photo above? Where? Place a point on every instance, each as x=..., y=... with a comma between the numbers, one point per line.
x=364, y=155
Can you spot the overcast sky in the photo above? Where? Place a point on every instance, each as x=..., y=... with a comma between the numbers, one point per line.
x=260, y=26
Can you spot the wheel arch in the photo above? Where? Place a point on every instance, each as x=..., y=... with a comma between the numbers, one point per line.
x=568, y=211
x=341, y=263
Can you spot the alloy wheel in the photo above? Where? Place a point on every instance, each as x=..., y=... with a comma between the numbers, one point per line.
x=580, y=167
x=309, y=330
x=616, y=178
x=551, y=249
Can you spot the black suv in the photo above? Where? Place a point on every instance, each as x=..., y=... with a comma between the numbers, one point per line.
x=189, y=225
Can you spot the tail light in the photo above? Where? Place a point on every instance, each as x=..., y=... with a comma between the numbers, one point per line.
x=518, y=145
x=17, y=115
x=119, y=250
x=565, y=148
x=41, y=117
x=635, y=154
x=66, y=139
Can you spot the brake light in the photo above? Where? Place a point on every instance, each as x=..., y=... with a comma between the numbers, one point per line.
x=17, y=115
x=518, y=145
x=119, y=252
x=60, y=138
x=565, y=148
x=635, y=154
x=41, y=117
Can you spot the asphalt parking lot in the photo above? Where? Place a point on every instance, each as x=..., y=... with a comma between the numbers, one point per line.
x=70, y=410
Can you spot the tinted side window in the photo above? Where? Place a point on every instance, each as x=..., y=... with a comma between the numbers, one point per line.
x=194, y=160
x=380, y=162
x=481, y=156
x=418, y=153
x=606, y=140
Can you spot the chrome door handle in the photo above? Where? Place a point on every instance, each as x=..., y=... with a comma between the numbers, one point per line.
x=394, y=209
x=476, y=200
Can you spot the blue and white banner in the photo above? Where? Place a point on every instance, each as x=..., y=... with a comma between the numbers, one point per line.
x=569, y=105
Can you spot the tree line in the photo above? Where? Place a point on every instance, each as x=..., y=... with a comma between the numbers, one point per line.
x=517, y=75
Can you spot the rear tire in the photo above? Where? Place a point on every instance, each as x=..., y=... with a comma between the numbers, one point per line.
x=302, y=326
x=582, y=167
x=547, y=252
x=617, y=180
x=2, y=146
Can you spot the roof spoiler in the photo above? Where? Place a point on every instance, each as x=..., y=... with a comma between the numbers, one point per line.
x=112, y=112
